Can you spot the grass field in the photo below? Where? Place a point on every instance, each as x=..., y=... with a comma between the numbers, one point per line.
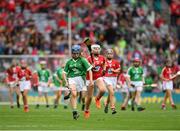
x=61, y=119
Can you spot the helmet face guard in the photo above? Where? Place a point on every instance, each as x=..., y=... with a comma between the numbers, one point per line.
x=136, y=62
x=43, y=64
x=109, y=53
x=96, y=49
x=76, y=49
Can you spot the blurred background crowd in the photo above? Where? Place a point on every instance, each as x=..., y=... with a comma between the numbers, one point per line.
x=149, y=29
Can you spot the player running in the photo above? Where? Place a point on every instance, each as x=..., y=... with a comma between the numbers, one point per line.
x=44, y=81
x=169, y=72
x=74, y=70
x=123, y=85
x=110, y=78
x=59, y=85
x=136, y=78
x=12, y=82
x=24, y=76
x=98, y=62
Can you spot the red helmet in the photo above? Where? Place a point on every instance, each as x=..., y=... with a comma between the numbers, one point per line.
x=136, y=59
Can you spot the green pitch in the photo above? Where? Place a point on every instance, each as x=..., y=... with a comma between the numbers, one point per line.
x=61, y=119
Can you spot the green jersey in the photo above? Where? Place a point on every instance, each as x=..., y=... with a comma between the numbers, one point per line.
x=43, y=75
x=135, y=73
x=58, y=74
x=74, y=68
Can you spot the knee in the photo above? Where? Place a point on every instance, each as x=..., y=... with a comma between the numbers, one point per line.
x=102, y=90
x=74, y=94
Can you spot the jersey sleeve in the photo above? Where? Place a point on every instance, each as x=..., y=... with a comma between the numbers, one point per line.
x=59, y=72
x=49, y=73
x=66, y=68
x=128, y=72
x=117, y=65
x=86, y=64
x=38, y=73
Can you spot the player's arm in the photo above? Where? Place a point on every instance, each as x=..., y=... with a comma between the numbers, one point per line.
x=29, y=73
x=177, y=74
x=119, y=84
x=65, y=72
x=88, y=68
x=118, y=69
x=128, y=79
x=49, y=78
x=57, y=78
x=143, y=77
x=104, y=66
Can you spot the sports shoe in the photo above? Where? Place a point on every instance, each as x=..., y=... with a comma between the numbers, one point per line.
x=18, y=105
x=55, y=106
x=83, y=106
x=174, y=106
x=114, y=111
x=26, y=109
x=132, y=108
x=163, y=107
x=106, y=109
x=140, y=108
x=86, y=114
x=123, y=108
x=75, y=115
x=65, y=106
x=37, y=106
x=98, y=103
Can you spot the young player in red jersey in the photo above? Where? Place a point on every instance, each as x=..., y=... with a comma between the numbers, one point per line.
x=168, y=73
x=24, y=76
x=123, y=85
x=98, y=62
x=112, y=70
x=12, y=81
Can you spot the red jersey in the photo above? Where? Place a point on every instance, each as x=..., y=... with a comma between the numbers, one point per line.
x=34, y=80
x=122, y=78
x=168, y=72
x=12, y=73
x=24, y=74
x=111, y=64
x=98, y=66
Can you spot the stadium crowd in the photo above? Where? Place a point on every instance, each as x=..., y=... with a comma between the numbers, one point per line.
x=131, y=27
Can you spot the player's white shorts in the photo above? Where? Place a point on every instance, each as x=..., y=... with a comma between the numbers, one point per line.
x=111, y=81
x=24, y=85
x=138, y=86
x=54, y=88
x=167, y=85
x=43, y=87
x=79, y=82
x=12, y=84
x=124, y=88
x=88, y=81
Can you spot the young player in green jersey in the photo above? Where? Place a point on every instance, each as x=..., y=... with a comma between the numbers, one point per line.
x=74, y=72
x=136, y=79
x=59, y=86
x=44, y=81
